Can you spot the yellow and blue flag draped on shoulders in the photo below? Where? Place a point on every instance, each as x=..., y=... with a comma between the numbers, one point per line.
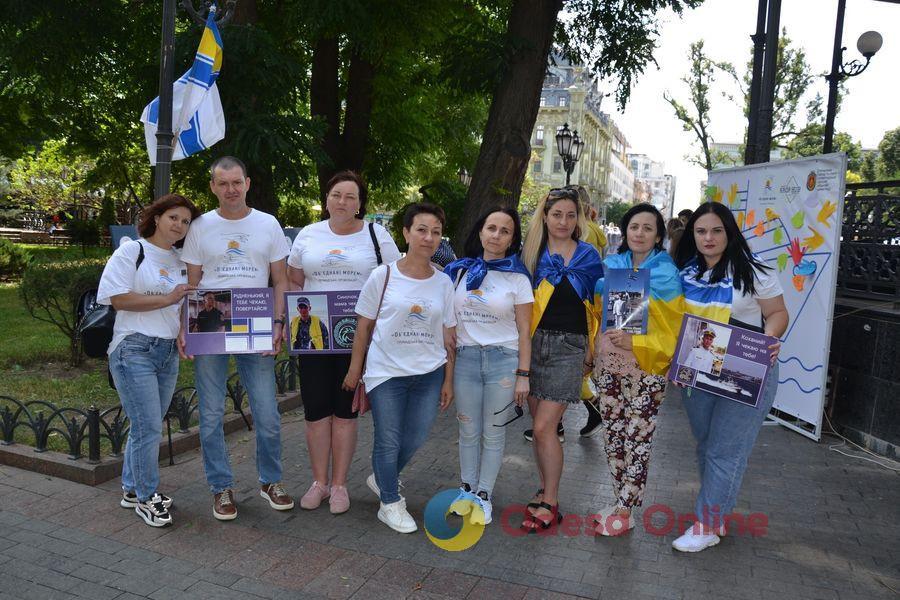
x=654, y=349
x=705, y=299
x=583, y=271
x=197, y=117
x=476, y=269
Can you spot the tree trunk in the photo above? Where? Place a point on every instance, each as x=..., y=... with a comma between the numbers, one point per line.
x=261, y=195
x=506, y=146
x=324, y=102
x=359, y=112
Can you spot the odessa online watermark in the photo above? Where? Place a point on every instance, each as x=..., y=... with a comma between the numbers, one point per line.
x=459, y=534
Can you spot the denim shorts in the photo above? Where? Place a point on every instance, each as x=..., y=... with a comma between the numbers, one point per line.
x=556, y=365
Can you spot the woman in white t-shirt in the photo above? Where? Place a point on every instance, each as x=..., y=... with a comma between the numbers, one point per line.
x=337, y=254
x=406, y=310
x=145, y=281
x=493, y=301
x=722, y=280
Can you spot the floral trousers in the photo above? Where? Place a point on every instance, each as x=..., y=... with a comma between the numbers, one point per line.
x=628, y=405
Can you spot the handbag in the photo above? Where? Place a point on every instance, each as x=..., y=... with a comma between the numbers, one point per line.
x=361, y=402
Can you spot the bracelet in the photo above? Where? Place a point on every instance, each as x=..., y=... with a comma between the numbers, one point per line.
x=523, y=373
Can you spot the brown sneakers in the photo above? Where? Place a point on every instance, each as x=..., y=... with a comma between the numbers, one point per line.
x=277, y=497
x=223, y=507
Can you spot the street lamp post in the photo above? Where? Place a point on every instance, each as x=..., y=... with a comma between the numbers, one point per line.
x=570, y=147
x=868, y=44
x=164, y=135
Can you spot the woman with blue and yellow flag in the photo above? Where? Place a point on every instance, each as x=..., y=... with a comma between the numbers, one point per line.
x=631, y=368
x=565, y=271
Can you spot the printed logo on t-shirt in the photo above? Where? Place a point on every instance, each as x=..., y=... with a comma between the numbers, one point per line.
x=164, y=277
x=236, y=263
x=418, y=314
x=335, y=258
x=476, y=299
x=234, y=252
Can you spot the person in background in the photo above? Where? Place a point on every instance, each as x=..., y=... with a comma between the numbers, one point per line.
x=493, y=303
x=684, y=215
x=335, y=254
x=725, y=282
x=674, y=230
x=593, y=233
x=444, y=255
x=406, y=309
x=631, y=368
x=145, y=281
x=563, y=320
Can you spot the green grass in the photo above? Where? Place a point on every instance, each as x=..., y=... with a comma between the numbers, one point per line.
x=45, y=253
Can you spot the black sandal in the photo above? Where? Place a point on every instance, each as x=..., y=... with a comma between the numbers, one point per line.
x=532, y=505
x=531, y=525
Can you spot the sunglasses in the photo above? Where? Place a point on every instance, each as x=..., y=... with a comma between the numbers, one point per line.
x=565, y=192
x=520, y=412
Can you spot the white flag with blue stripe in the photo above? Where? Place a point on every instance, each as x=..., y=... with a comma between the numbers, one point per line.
x=198, y=121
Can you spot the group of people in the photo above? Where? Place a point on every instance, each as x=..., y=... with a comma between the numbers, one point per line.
x=515, y=321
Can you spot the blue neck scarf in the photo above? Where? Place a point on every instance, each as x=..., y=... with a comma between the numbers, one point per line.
x=583, y=270
x=477, y=269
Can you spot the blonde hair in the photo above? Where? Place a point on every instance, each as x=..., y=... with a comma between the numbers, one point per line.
x=536, y=238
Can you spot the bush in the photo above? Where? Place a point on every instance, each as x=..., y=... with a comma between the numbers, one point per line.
x=84, y=232
x=50, y=292
x=295, y=212
x=13, y=259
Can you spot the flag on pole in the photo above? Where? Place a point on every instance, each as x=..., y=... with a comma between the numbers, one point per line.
x=197, y=117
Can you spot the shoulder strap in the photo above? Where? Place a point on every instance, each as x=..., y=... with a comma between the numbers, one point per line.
x=459, y=277
x=377, y=249
x=387, y=278
x=140, y=258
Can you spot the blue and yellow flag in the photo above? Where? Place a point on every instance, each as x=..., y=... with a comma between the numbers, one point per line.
x=705, y=299
x=583, y=271
x=197, y=117
x=654, y=350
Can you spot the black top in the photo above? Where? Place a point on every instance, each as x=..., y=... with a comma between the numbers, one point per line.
x=565, y=311
x=210, y=320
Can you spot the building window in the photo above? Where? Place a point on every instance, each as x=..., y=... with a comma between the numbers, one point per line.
x=557, y=165
x=538, y=167
x=543, y=101
x=539, y=135
x=562, y=100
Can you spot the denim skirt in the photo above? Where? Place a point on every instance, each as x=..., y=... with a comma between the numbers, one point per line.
x=557, y=365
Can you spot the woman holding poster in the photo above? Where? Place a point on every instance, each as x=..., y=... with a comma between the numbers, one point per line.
x=337, y=254
x=631, y=367
x=145, y=281
x=724, y=282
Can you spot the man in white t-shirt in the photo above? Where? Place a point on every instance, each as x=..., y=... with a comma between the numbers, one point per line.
x=702, y=357
x=236, y=246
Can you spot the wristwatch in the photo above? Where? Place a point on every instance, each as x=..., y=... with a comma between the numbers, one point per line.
x=279, y=320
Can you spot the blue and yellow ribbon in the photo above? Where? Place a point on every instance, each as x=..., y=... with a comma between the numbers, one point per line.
x=583, y=271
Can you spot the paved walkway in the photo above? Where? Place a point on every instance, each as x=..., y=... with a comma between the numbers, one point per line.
x=833, y=531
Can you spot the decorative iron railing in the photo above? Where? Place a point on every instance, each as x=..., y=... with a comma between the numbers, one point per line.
x=75, y=426
x=870, y=241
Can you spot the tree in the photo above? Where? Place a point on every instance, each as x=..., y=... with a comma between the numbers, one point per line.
x=615, y=211
x=889, y=155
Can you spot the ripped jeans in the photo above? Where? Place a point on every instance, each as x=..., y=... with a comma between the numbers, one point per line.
x=484, y=382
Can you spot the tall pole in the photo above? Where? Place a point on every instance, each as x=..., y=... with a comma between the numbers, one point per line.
x=759, y=47
x=164, y=135
x=767, y=95
x=834, y=78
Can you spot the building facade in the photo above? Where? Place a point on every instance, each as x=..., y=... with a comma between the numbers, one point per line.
x=621, y=179
x=660, y=186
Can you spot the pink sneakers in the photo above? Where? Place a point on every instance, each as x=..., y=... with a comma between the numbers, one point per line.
x=340, y=500
x=314, y=496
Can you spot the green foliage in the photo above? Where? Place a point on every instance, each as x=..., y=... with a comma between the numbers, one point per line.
x=889, y=157
x=50, y=291
x=84, y=232
x=13, y=259
x=295, y=212
x=396, y=227
x=809, y=143
x=50, y=179
x=615, y=211
x=107, y=213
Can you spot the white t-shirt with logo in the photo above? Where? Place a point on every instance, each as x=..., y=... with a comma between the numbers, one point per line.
x=234, y=253
x=339, y=262
x=159, y=273
x=745, y=308
x=487, y=316
x=409, y=331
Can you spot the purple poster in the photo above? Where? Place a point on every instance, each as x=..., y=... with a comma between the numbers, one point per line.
x=321, y=322
x=229, y=321
x=721, y=359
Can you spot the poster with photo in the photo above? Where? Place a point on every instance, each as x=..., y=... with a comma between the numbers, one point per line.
x=626, y=298
x=721, y=359
x=321, y=322
x=229, y=321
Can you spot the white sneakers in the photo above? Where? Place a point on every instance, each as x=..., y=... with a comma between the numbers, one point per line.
x=481, y=513
x=698, y=537
x=395, y=516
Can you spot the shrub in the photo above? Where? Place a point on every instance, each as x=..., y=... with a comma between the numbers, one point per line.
x=50, y=292
x=13, y=259
x=84, y=232
x=295, y=212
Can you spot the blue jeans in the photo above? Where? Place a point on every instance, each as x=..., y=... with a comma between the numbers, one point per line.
x=403, y=411
x=145, y=370
x=257, y=375
x=725, y=431
x=484, y=382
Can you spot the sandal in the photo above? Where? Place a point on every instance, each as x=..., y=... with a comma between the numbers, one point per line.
x=533, y=505
x=535, y=522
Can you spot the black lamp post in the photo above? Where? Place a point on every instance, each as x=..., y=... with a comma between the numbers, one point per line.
x=868, y=44
x=570, y=147
x=465, y=177
x=164, y=135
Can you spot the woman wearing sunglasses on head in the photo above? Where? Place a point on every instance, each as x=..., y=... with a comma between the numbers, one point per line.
x=565, y=272
x=493, y=301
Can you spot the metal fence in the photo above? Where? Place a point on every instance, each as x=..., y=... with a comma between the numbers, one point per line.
x=870, y=241
x=77, y=426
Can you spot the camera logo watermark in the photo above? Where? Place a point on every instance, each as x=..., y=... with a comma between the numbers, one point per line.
x=453, y=538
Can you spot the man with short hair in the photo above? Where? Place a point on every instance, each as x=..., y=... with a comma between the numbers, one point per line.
x=308, y=332
x=702, y=357
x=209, y=318
x=236, y=246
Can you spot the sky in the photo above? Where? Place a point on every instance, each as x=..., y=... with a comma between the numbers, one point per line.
x=868, y=110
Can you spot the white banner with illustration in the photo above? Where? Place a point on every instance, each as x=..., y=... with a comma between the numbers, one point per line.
x=790, y=213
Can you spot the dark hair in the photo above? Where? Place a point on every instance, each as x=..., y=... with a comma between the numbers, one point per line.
x=685, y=212
x=423, y=208
x=737, y=253
x=644, y=207
x=674, y=230
x=147, y=224
x=225, y=163
x=473, y=247
x=340, y=177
